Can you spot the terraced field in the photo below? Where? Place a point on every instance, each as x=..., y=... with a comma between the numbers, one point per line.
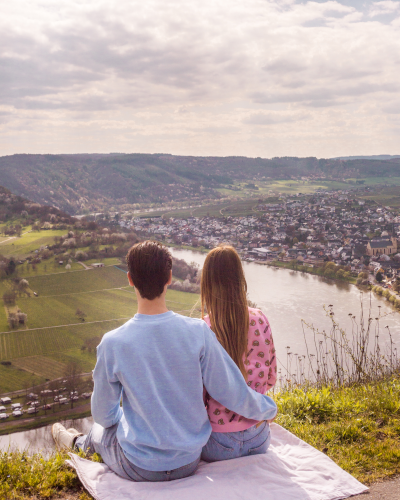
x=18, y=344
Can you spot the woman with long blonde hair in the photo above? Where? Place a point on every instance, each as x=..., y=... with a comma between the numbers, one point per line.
x=246, y=335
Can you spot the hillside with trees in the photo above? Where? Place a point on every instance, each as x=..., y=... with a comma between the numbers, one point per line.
x=94, y=182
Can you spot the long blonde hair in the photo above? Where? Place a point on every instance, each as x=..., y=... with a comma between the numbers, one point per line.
x=224, y=293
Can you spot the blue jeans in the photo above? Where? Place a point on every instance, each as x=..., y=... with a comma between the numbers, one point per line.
x=104, y=442
x=227, y=445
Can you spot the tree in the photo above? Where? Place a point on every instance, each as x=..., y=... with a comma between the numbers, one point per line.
x=23, y=285
x=12, y=320
x=340, y=274
x=71, y=374
x=9, y=298
x=22, y=317
x=379, y=277
x=10, y=267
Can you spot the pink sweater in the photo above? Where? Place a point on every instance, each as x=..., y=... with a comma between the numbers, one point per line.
x=261, y=373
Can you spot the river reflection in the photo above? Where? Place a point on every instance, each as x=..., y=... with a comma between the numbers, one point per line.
x=40, y=439
x=286, y=297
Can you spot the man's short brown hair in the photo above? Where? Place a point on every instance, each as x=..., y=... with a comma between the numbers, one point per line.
x=149, y=264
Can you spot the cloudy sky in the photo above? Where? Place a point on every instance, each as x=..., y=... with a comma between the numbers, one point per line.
x=211, y=77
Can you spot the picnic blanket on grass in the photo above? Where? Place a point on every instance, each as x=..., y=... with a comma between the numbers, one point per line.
x=290, y=470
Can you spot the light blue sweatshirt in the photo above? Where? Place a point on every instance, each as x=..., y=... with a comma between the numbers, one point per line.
x=158, y=364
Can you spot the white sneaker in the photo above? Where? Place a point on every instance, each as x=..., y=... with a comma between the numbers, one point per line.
x=73, y=431
x=62, y=437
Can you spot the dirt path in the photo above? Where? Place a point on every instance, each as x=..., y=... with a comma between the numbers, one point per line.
x=87, y=268
x=13, y=237
x=388, y=490
x=71, y=324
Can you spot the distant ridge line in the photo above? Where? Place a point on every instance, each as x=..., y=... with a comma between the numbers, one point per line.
x=371, y=157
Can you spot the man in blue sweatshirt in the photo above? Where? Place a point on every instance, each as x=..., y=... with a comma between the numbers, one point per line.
x=158, y=363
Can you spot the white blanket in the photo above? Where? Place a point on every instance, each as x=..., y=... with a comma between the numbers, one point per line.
x=290, y=470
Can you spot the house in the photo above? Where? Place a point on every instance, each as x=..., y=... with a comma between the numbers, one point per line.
x=5, y=401
x=386, y=246
x=98, y=264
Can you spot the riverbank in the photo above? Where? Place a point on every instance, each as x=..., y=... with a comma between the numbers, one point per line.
x=358, y=427
x=186, y=247
x=317, y=271
x=36, y=422
x=387, y=294
x=304, y=268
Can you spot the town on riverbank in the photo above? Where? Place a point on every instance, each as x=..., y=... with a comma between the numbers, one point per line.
x=359, y=237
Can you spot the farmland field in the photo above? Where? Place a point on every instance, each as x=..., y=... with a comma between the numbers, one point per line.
x=28, y=242
x=78, y=281
x=12, y=378
x=241, y=207
x=41, y=366
x=61, y=310
x=67, y=318
x=385, y=195
x=55, y=336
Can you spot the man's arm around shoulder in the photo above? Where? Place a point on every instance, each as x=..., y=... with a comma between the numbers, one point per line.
x=226, y=384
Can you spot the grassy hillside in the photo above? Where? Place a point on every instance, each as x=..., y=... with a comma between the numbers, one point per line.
x=93, y=182
x=54, y=334
x=69, y=306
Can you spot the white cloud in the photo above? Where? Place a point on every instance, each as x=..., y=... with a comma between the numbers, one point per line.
x=198, y=78
x=384, y=7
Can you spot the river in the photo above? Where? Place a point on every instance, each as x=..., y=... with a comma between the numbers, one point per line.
x=286, y=297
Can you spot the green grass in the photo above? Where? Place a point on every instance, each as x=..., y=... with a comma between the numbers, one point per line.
x=50, y=266
x=45, y=311
x=41, y=366
x=112, y=261
x=385, y=195
x=85, y=359
x=20, y=247
x=235, y=208
x=13, y=378
x=38, y=342
x=79, y=281
x=22, y=476
x=358, y=427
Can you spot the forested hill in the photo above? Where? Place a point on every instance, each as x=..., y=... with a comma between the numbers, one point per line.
x=95, y=181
